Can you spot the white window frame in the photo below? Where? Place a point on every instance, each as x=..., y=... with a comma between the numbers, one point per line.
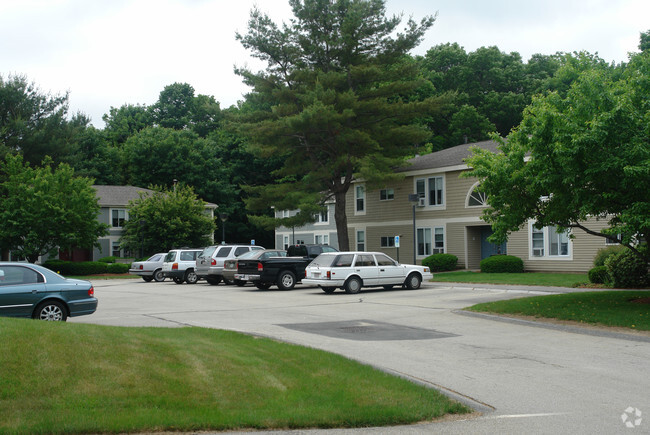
x=435, y=241
x=360, y=242
x=545, y=250
x=388, y=194
x=425, y=191
x=360, y=195
x=322, y=218
x=479, y=197
x=118, y=210
x=116, y=244
x=285, y=242
x=387, y=241
x=322, y=238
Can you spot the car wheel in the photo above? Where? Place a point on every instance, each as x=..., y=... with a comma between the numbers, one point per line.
x=286, y=280
x=413, y=281
x=212, y=280
x=328, y=289
x=353, y=285
x=147, y=278
x=263, y=285
x=228, y=281
x=158, y=275
x=240, y=283
x=191, y=277
x=178, y=280
x=53, y=311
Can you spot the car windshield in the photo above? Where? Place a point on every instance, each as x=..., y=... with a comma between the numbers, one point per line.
x=154, y=257
x=171, y=256
x=207, y=252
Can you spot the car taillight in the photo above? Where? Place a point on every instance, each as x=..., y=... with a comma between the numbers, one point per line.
x=91, y=291
x=175, y=266
x=260, y=267
x=141, y=266
x=329, y=274
x=213, y=262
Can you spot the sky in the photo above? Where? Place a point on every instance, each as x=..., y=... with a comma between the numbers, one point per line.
x=107, y=53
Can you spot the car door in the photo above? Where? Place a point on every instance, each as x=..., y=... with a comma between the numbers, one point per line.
x=366, y=267
x=21, y=288
x=390, y=272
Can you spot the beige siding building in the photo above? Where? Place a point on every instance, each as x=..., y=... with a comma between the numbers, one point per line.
x=433, y=210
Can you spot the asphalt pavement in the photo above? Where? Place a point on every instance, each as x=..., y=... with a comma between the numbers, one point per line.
x=520, y=376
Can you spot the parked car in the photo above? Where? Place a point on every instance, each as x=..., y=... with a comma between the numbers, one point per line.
x=283, y=272
x=230, y=266
x=353, y=270
x=179, y=265
x=30, y=290
x=150, y=269
x=209, y=265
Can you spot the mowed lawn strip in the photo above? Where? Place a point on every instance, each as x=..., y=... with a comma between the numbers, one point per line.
x=75, y=378
x=627, y=309
x=528, y=278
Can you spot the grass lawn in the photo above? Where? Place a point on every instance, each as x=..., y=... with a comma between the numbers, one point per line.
x=528, y=278
x=627, y=309
x=74, y=378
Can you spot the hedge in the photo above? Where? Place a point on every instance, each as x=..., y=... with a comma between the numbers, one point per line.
x=628, y=270
x=502, y=264
x=603, y=254
x=599, y=275
x=118, y=268
x=440, y=262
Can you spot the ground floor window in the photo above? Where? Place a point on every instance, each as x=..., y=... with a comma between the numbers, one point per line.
x=430, y=241
x=322, y=239
x=361, y=240
x=116, y=250
x=549, y=242
x=388, y=242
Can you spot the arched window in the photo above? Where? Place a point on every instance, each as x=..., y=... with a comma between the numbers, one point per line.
x=475, y=198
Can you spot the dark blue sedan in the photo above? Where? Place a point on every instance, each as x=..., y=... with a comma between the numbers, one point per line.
x=29, y=290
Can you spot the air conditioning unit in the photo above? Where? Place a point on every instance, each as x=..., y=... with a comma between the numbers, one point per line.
x=422, y=202
x=538, y=252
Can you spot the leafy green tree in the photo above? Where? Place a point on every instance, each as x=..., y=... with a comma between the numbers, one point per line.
x=46, y=209
x=125, y=121
x=32, y=123
x=95, y=157
x=167, y=219
x=178, y=108
x=579, y=153
x=334, y=101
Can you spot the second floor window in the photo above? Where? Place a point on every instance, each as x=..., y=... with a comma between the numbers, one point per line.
x=430, y=188
x=386, y=194
x=118, y=217
x=360, y=198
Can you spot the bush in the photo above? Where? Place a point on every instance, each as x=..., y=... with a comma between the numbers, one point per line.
x=118, y=268
x=440, y=262
x=603, y=254
x=76, y=268
x=628, y=270
x=599, y=275
x=108, y=259
x=502, y=264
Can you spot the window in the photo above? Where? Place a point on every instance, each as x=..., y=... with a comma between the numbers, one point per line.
x=322, y=217
x=344, y=260
x=386, y=194
x=424, y=241
x=475, y=198
x=300, y=242
x=364, y=261
x=14, y=275
x=118, y=216
x=360, y=199
x=361, y=240
x=223, y=252
x=430, y=188
x=240, y=250
x=438, y=240
x=615, y=241
x=116, y=249
x=385, y=260
x=558, y=242
x=322, y=239
x=387, y=242
x=285, y=242
x=549, y=242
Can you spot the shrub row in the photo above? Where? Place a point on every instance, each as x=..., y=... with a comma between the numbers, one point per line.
x=440, y=262
x=502, y=264
x=85, y=267
x=619, y=267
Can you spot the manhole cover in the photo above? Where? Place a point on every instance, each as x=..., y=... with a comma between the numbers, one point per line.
x=367, y=330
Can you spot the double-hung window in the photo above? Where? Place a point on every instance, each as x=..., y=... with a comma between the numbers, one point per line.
x=322, y=239
x=432, y=189
x=430, y=241
x=361, y=240
x=386, y=194
x=387, y=242
x=360, y=199
x=118, y=217
x=548, y=242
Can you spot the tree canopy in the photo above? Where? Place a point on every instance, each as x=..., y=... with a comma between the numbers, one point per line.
x=44, y=209
x=335, y=101
x=577, y=154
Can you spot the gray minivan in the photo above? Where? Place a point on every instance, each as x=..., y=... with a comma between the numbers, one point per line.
x=209, y=264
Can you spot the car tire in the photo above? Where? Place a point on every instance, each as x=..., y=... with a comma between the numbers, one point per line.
x=53, y=311
x=147, y=278
x=178, y=280
x=228, y=281
x=353, y=285
x=191, y=277
x=263, y=285
x=158, y=275
x=286, y=280
x=413, y=281
x=212, y=280
x=240, y=283
x=328, y=289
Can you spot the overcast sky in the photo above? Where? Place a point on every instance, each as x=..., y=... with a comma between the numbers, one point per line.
x=114, y=52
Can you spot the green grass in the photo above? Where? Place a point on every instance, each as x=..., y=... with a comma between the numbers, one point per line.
x=528, y=278
x=74, y=378
x=608, y=308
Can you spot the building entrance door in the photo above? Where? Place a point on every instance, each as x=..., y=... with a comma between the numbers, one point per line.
x=488, y=249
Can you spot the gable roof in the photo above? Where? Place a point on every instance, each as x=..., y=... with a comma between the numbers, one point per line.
x=448, y=157
x=119, y=196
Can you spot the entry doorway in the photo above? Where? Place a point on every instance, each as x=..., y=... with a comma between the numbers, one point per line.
x=489, y=249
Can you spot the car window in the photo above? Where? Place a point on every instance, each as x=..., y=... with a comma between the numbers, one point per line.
x=223, y=252
x=344, y=260
x=15, y=275
x=364, y=260
x=257, y=248
x=249, y=254
x=188, y=255
x=240, y=250
x=329, y=249
x=207, y=252
x=385, y=260
x=171, y=256
x=155, y=258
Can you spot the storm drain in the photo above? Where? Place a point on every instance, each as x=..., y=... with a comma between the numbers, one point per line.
x=367, y=330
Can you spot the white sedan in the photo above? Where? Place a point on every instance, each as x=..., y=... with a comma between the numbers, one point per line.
x=353, y=270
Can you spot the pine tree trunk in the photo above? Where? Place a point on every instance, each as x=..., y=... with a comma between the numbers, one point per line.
x=341, y=221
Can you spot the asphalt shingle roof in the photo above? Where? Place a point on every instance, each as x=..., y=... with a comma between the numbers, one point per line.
x=118, y=195
x=448, y=157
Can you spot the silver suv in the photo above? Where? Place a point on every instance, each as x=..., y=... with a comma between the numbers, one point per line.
x=179, y=265
x=209, y=264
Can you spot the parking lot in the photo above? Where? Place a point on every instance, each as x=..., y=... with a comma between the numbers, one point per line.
x=523, y=378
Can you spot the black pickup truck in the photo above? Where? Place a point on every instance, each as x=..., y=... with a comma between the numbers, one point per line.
x=284, y=272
